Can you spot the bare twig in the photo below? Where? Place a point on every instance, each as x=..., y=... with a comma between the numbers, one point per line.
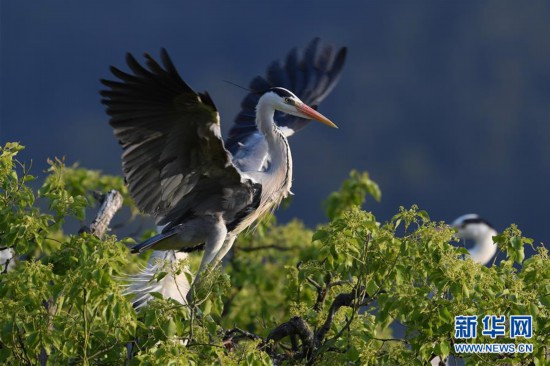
x=204, y=345
x=322, y=291
x=321, y=294
x=390, y=340
x=262, y=247
x=51, y=309
x=110, y=204
x=234, y=335
x=25, y=355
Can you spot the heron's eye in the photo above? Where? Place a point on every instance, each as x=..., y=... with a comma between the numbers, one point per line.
x=289, y=100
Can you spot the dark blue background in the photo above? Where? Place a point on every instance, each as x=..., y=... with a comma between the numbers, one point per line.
x=446, y=104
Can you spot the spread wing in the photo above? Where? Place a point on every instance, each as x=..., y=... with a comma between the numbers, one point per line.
x=174, y=159
x=310, y=76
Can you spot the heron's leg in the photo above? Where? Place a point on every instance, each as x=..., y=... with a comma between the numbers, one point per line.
x=213, y=245
x=214, y=249
x=227, y=245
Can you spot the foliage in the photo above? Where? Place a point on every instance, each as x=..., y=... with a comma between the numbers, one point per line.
x=353, y=192
x=287, y=294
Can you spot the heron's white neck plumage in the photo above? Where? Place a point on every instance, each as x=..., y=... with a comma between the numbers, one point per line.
x=276, y=180
x=484, y=248
x=480, y=233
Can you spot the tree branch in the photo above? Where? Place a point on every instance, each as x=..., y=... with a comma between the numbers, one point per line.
x=295, y=326
x=345, y=299
x=233, y=336
x=321, y=294
x=241, y=333
x=262, y=247
x=111, y=202
x=322, y=291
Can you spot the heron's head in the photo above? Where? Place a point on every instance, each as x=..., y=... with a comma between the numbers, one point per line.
x=473, y=227
x=285, y=101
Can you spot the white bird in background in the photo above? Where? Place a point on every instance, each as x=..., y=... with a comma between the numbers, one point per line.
x=481, y=232
x=179, y=171
x=7, y=260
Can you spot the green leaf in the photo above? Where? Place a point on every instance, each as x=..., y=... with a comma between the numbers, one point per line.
x=372, y=287
x=170, y=328
x=320, y=235
x=156, y=295
x=207, y=307
x=444, y=349
x=445, y=315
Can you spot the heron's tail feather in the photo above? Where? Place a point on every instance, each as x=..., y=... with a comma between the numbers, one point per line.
x=173, y=285
x=149, y=243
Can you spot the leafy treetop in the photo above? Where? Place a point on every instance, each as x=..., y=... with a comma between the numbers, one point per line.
x=287, y=294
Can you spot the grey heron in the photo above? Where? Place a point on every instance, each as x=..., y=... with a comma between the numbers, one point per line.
x=481, y=232
x=178, y=169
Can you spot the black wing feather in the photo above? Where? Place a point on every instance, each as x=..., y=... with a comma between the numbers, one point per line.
x=310, y=77
x=174, y=161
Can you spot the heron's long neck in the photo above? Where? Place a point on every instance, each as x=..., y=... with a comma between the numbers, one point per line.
x=484, y=249
x=280, y=167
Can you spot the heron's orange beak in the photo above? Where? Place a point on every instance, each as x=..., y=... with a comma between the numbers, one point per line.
x=313, y=114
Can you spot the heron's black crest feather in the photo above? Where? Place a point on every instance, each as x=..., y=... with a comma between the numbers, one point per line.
x=283, y=93
x=477, y=220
